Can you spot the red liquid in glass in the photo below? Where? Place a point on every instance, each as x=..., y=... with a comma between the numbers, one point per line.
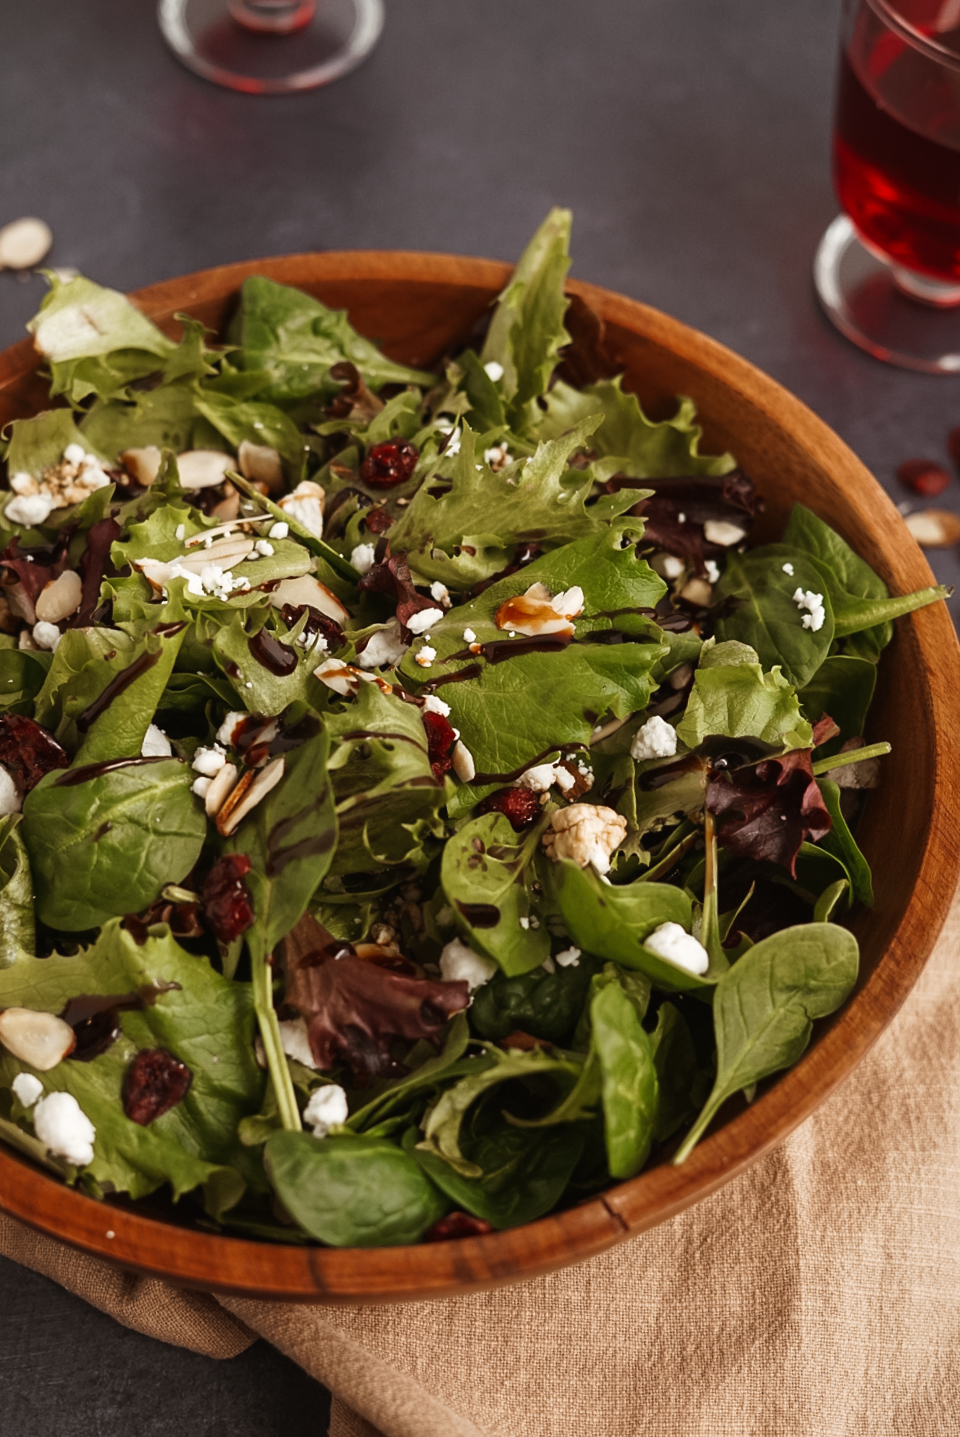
x=900, y=187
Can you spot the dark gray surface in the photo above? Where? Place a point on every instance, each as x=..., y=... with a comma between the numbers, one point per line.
x=691, y=140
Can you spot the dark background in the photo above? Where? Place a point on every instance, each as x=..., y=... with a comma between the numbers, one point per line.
x=691, y=141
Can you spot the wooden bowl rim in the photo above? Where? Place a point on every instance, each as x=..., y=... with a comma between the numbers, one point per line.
x=194, y=1258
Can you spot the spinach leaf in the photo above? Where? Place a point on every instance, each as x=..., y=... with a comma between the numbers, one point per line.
x=114, y=727
x=166, y=416
x=860, y=600
x=22, y=676
x=675, y=1060
x=104, y=843
x=739, y=700
x=352, y=1191
x=546, y=1005
x=613, y=922
x=629, y=1080
x=762, y=612
x=290, y=839
x=487, y=878
x=764, y=1007
x=829, y=899
x=524, y=1175
x=427, y=1075
x=293, y=341
x=842, y=844
x=843, y=688
x=442, y=1130
x=190, y=1011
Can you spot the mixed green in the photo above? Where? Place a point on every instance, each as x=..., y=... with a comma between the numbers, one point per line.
x=420, y=805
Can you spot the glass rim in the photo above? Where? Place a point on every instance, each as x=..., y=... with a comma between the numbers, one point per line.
x=885, y=11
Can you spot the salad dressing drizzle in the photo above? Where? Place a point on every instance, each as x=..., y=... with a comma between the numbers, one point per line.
x=88, y=771
x=115, y=688
x=95, y=1018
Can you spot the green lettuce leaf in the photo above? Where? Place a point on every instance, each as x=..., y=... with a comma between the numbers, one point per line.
x=739, y=700
x=96, y=341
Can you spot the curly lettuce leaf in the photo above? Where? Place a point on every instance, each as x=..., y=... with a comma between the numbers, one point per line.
x=95, y=339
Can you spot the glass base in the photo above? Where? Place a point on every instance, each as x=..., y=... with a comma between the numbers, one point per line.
x=207, y=40
x=896, y=315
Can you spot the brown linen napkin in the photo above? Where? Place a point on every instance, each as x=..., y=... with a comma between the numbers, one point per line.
x=817, y=1293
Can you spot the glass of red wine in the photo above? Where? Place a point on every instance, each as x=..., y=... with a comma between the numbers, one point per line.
x=888, y=269
x=266, y=47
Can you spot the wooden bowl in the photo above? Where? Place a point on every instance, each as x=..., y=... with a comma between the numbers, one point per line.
x=419, y=306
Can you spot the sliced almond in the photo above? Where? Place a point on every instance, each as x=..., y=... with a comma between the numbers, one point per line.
x=306, y=590
x=203, y=468
x=247, y=794
x=221, y=786
x=537, y=612
x=229, y=507
x=60, y=598
x=697, y=591
x=23, y=243
x=463, y=764
x=933, y=528
x=40, y=1039
x=228, y=530
x=142, y=464
x=224, y=553
x=261, y=463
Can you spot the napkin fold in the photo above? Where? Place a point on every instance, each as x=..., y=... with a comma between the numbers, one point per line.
x=819, y=1292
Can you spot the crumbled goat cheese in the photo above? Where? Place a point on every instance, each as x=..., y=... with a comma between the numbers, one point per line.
x=264, y=548
x=229, y=727
x=718, y=531
x=433, y=705
x=280, y=530
x=295, y=1041
x=569, y=958
x=420, y=622
x=27, y=1088
x=441, y=593
x=74, y=454
x=672, y=566
x=588, y=833
x=29, y=509
x=655, y=739
x=493, y=370
x=46, y=636
x=713, y=572
x=209, y=761
x=155, y=743
x=305, y=505
x=539, y=778
x=459, y=964
x=383, y=649
x=362, y=558
x=497, y=457
x=64, y=1128
x=326, y=1109
x=11, y=799
x=425, y=656
x=788, y=569
x=453, y=443
x=469, y=637
x=813, y=603
x=673, y=943
x=563, y=778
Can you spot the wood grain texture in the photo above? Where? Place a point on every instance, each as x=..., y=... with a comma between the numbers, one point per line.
x=420, y=307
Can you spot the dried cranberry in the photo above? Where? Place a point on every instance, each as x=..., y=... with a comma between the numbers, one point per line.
x=377, y=520
x=389, y=463
x=28, y=751
x=440, y=742
x=519, y=805
x=226, y=900
x=458, y=1224
x=923, y=476
x=156, y=1081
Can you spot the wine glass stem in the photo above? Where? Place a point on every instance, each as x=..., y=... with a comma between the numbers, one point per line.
x=273, y=17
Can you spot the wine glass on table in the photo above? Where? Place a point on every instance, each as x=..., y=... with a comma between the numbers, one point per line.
x=266, y=47
x=888, y=269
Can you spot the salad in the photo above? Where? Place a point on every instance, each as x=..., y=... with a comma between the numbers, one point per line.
x=420, y=805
